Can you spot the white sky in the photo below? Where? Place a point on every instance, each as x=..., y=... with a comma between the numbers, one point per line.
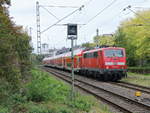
x=24, y=13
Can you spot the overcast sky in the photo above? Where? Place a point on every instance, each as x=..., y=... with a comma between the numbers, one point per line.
x=24, y=13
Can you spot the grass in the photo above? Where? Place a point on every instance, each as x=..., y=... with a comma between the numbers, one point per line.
x=45, y=94
x=140, y=79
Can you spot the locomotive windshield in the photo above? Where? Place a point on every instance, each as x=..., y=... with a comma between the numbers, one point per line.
x=114, y=53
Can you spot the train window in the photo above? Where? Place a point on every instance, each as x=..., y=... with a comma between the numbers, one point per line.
x=85, y=55
x=95, y=54
x=114, y=53
x=91, y=55
x=88, y=55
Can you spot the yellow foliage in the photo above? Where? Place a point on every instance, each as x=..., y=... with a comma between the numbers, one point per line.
x=104, y=40
x=137, y=32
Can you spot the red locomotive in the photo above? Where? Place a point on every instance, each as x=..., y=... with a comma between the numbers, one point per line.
x=107, y=64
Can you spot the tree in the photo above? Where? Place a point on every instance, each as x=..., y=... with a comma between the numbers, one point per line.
x=14, y=50
x=88, y=45
x=104, y=40
x=134, y=35
x=2, y=2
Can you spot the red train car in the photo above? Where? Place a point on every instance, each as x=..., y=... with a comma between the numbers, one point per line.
x=108, y=64
x=105, y=63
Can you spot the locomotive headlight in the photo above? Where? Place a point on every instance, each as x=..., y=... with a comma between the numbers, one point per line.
x=108, y=63
x=107, y=67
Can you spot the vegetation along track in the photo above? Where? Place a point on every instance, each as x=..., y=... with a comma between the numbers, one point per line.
x=123, y=103
x=133, y=86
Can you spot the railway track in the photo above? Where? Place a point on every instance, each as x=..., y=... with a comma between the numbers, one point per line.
x=133, y=86
x=121, y=102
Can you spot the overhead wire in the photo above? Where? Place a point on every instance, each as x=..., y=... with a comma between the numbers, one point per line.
x=145, y=20
x=79, y=8
x=62, y=19
x=62, y=6
x=116, y=16
x=49, y=12
x=101, y=11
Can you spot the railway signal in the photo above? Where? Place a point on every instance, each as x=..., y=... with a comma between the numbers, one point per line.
x=72, y=35
x=72, y=31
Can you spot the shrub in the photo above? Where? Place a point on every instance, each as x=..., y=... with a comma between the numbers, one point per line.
x=38, y=109
x=18, y=99
x=3, y=109
x=84, y=103
x=43, y=88
x=64, y=110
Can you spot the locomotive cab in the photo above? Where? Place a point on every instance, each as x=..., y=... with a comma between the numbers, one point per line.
x=114, y=59
x=115, y=62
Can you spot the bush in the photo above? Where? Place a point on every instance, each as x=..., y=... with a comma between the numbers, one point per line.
x=3, y=109
x=43, y=88
x=44, y=94
x=39, y=109
x=84, y=103
x=18, y=99
x=64, y=110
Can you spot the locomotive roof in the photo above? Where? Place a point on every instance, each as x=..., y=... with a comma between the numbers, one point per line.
x=98, y=49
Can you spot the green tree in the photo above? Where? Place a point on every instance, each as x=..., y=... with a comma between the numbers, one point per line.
x=134, y=35
x=4, y=2
x=104, y=40
x=14, y=50
x=89, y=45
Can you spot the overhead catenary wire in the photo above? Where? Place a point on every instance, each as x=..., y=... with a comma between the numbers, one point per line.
x=55, y=6
x=63, y=18
x=78, y=8
x=50, y=13
x=129, y=8
x=60, y=6
x=101, y=11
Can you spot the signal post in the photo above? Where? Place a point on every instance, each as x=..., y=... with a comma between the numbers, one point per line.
x=72, y=35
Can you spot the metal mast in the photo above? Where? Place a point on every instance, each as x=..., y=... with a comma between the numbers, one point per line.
x=38, y=28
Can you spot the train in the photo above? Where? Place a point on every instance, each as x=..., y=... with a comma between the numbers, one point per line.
x=105, y=63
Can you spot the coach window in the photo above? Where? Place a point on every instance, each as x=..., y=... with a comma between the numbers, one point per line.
x=90, y=55
x=85, y=55
x=95, y=54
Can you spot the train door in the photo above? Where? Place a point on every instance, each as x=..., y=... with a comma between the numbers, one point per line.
x=64, y=63
x=80, y=62
x=100, y=59
x=96, y=60
x=84, y=60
